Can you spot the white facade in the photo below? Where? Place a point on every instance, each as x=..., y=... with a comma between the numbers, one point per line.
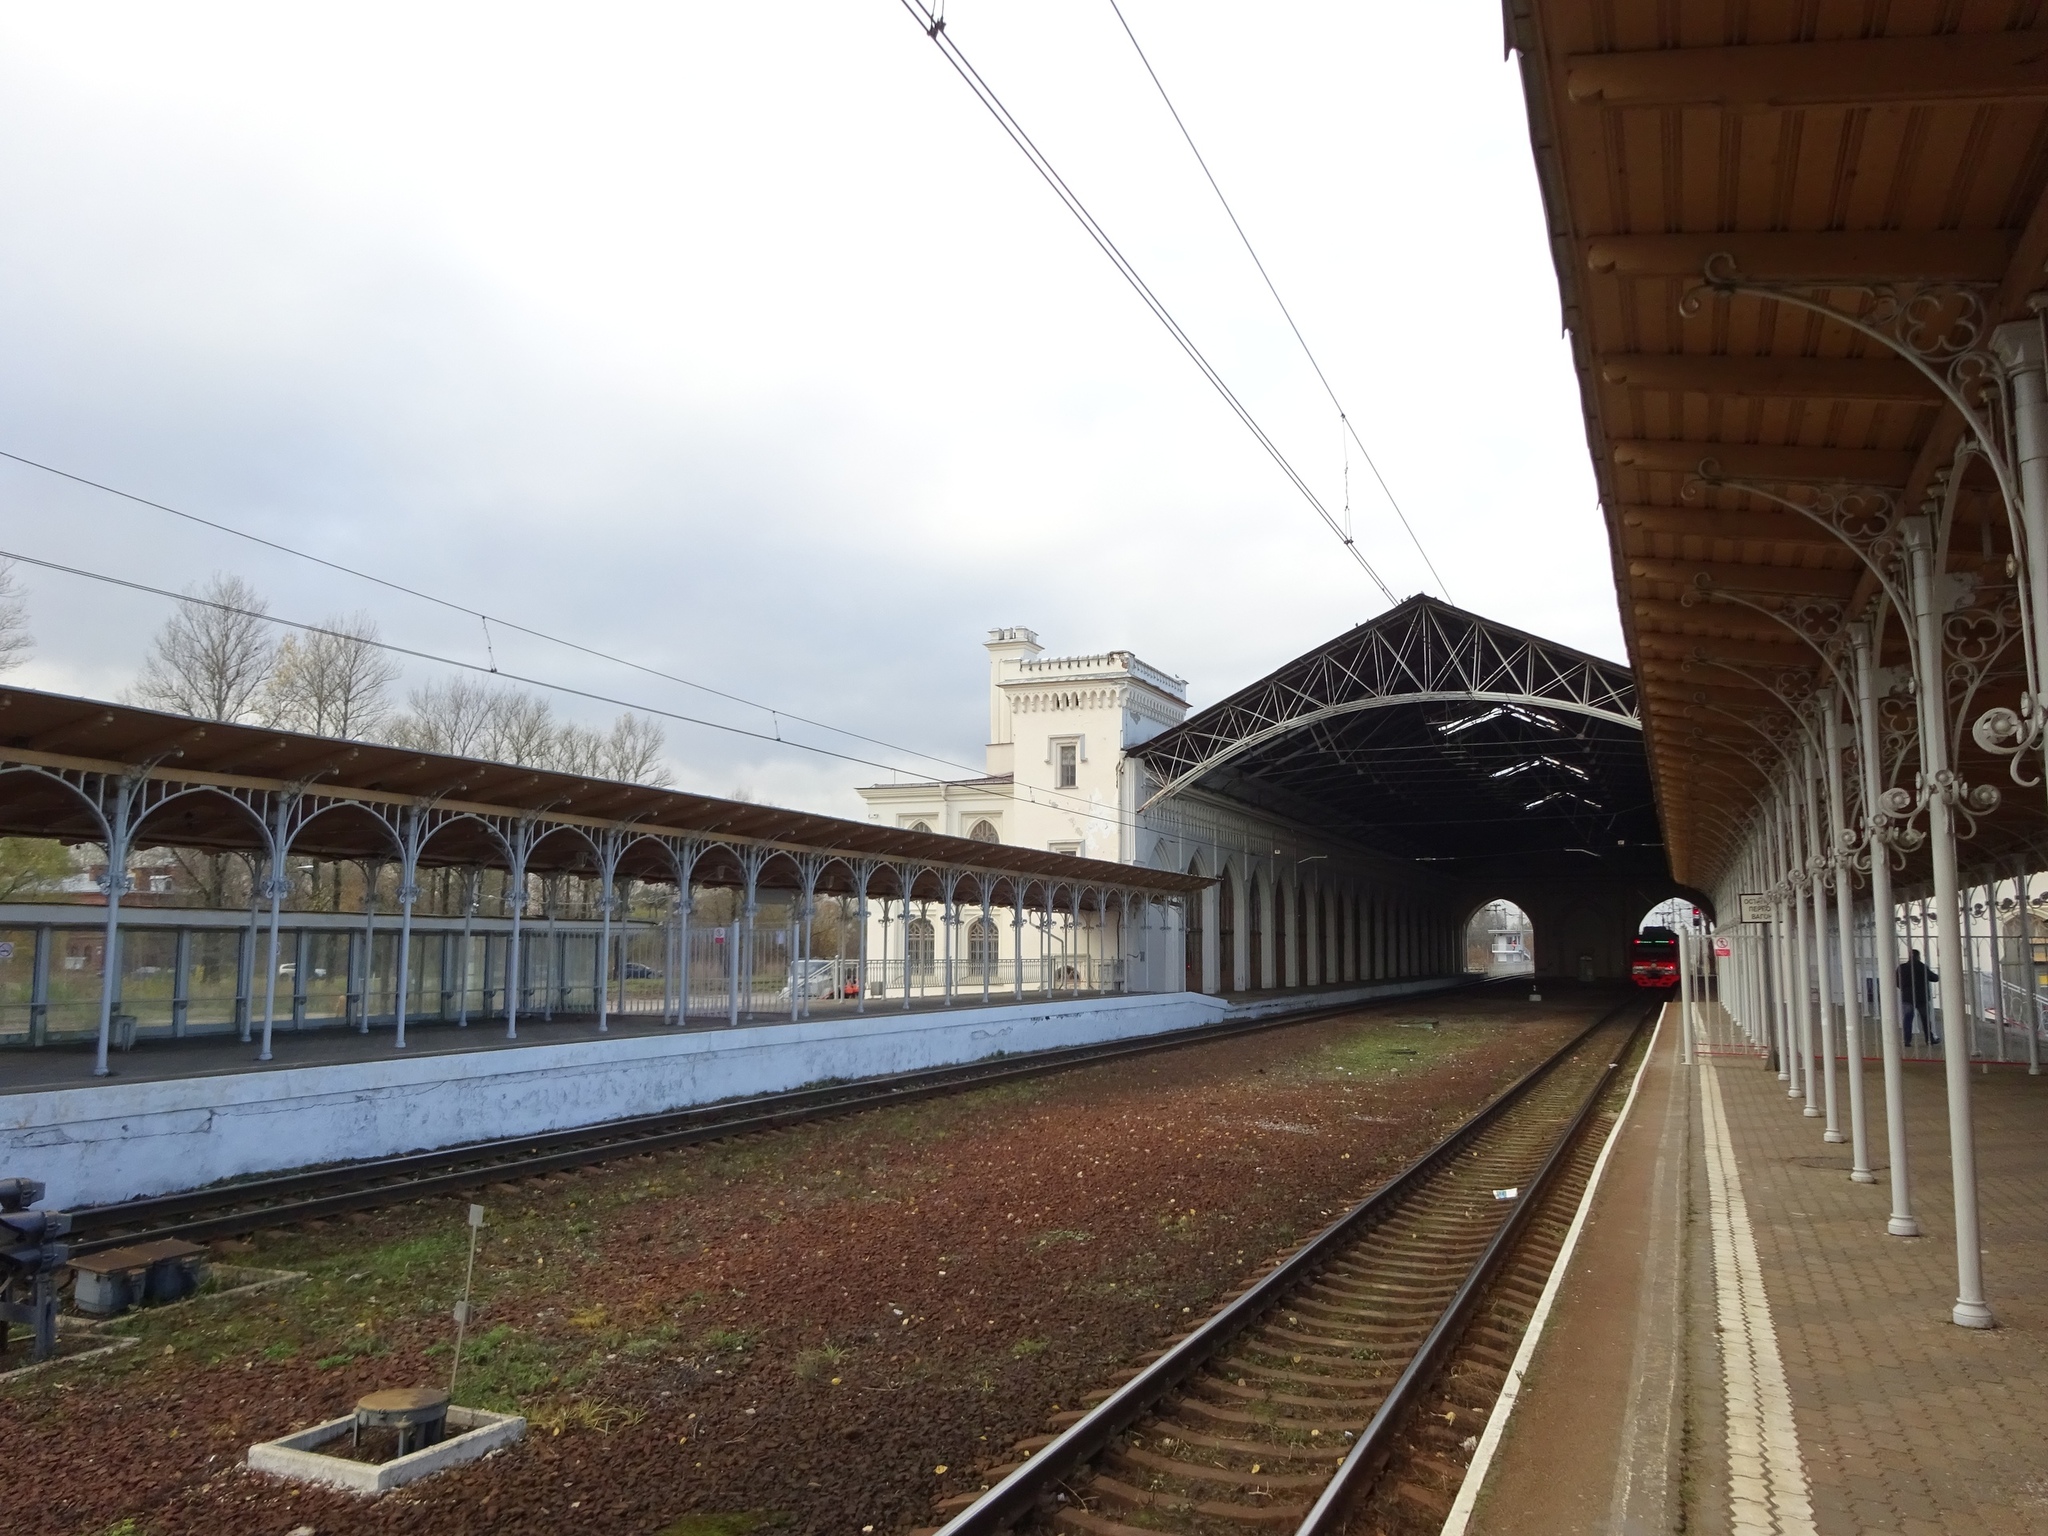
x=1057, y=730
x=1293, y=907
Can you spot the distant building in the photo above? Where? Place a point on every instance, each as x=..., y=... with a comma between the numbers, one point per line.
x=1057, y=731
x=1293, y=906
x=1499, y=941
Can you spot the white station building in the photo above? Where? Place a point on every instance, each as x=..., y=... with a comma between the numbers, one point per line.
x=1354, y=809
x=1057, y=778
x=1061, y=777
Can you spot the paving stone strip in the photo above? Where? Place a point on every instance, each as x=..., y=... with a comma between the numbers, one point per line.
x=1766, y=1476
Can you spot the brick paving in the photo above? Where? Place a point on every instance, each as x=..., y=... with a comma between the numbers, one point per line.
x=1906, y=1422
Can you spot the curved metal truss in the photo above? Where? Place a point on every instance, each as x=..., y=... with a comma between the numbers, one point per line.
x=1422, y=652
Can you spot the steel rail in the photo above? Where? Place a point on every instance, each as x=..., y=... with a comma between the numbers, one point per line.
x=257, y=1203
x=1091, y=1435
x=1375, y=1443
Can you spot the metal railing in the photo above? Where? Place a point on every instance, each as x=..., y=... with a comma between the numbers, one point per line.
x=188, y=974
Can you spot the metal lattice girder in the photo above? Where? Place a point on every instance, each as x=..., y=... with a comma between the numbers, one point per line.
x=1421, y=652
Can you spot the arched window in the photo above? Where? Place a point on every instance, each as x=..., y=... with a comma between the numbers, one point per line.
x=1500, y=941
x=918, y=946
x=919, y=826
x=1226, y=933
x=981, y=946
x=1280, y=932
x=1257, y=964
x=1303, y=916
x=984, y=832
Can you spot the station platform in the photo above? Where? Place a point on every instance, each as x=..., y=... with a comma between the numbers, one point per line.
x=180, y=1114
x=218, y=1053
x=1738, y=1346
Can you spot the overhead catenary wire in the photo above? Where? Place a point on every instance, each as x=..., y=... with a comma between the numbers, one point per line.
x=934, y=26
x=1075, y=804
x=1343, y=416
x=1050, y=798
x=1072, y=805
x=486, y=619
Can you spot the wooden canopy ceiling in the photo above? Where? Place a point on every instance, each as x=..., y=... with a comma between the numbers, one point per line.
x=1822, y=142
x=368, y=782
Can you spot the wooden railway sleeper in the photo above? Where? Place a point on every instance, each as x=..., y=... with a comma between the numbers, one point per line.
x=1414, y=1241
x=1278, y=1450
x=1239, y=1418
x=1360, y=1405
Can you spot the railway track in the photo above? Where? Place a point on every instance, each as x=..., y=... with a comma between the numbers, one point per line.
x=228, y=1210
x=1285, y=1410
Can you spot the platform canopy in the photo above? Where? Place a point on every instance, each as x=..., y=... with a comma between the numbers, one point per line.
x=67, y=765
x=1434, y=735
x=1792, y=241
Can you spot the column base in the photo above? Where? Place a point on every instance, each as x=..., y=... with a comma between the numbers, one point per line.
x=1834, y=1136
x=1972, y=1314
x=1862, y=1176
x=1902, y=1226
x=1811, y=1112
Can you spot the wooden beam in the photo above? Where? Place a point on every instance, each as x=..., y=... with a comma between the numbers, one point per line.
x=1702, y=691
x=1771, y=378
x=1718, y=751
x=1750, y=703
x=1780, y=464
x=1678, y=621
x=1889, y=255
x=1658, y=647
x=1719, y=523
x=1782, y=580
x=1866, y=72
x=1666, y=687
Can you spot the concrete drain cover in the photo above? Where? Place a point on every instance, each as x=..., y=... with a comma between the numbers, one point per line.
x=471, y=1433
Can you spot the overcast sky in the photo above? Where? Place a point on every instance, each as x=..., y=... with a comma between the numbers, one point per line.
x=739, y=341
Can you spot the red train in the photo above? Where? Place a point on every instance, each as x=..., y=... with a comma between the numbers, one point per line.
x=1653, y=958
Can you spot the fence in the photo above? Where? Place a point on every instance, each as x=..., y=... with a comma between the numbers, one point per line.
x=2003, y=996
x=202, y=974
x=188, y=974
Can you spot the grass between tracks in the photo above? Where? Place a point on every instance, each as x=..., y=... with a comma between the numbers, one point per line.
x=825, y=1328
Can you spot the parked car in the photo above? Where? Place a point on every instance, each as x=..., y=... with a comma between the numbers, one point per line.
x=635, y=971
x=818, y=983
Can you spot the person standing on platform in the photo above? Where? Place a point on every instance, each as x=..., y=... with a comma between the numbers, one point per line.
x=1916, y=993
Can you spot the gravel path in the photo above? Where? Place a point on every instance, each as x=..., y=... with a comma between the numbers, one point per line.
x=822, y=1330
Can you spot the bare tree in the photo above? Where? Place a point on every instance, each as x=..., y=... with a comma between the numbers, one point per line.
x=16, y=643
x=331, y=684
x=632, y=752
x=454, y=716
x=470, y=718
x=524, y=731
x=213, y=656
x=629, y=752
x=212, y=876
